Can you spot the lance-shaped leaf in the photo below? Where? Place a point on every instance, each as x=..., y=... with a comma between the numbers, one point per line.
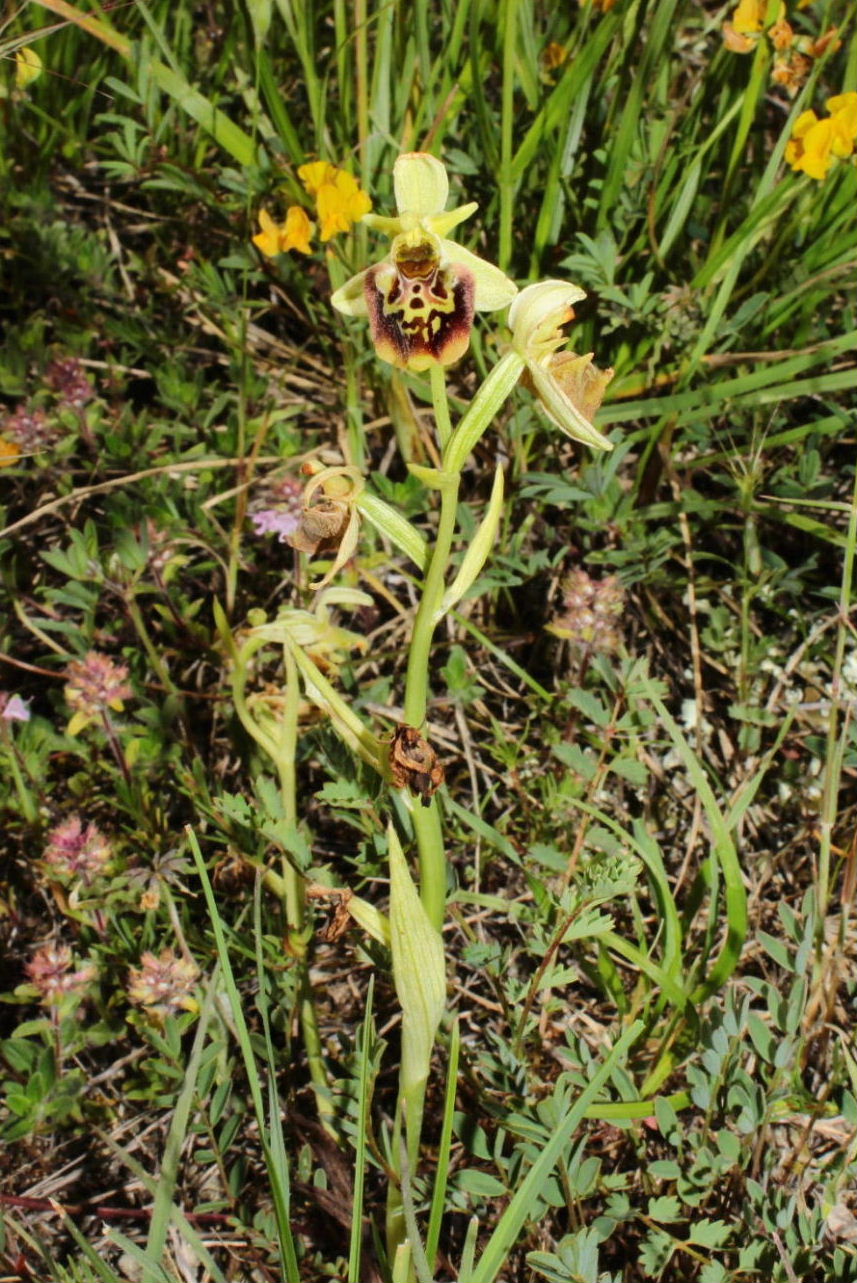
x=419, y=974
x=390, y=522
x=480, y=549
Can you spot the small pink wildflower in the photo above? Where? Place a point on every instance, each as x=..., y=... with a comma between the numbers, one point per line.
x=77, y=852
x=50, y=971
x=67, y=378
x=274, y=521
x=29, y=428
x=591, y=611
x=282, y=511
x=164, y=984
x=94, y=684
x=13, y=708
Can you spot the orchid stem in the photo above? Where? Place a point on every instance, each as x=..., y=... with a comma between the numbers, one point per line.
x=440, y=402
x=426, y=820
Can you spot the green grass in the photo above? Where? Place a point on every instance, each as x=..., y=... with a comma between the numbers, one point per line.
x=645, y=1069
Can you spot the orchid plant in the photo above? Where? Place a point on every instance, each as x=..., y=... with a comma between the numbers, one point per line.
x=420, y=300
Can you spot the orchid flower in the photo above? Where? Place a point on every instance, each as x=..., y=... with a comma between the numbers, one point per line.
x=330, y=523
x=569, y=387
x=422, y=297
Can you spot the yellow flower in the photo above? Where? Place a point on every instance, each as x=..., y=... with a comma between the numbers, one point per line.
x=809, y=148
x=553, y=56
x=277, y=238
x=338, y=198
x=781, y=35
x=569, y=387
x=421, y=298
x=10, y=452
x=748, y=22
x=749, y=17
x=316, y=174
x=340, y=203
x=843, y=109
x=815, y=143
x=735, y=42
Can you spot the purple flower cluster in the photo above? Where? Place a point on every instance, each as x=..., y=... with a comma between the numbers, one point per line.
x=282, y=510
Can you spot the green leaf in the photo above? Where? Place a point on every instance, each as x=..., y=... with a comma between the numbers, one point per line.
x=419, y=974
x=481, y=1184
x=710, y=1233
x=628, y=768
x=390, y=522
x=777, y=950
x=666, y=1209
x=479, y=548
x=760, y=1033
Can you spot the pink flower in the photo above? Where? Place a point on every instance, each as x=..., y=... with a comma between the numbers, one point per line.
x=13, y=708
x=282, y=510
x=164, y=984
x=75, y=852
x=275, y=521
x=50, y=971
x=66, y=377
x=30, y=429
x=94, y=684
x=591, y=612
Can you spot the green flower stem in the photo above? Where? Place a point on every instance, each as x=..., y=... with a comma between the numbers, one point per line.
x=152, y=652
x=347, y=723
x=482, y=410
x=355, y=436
x=429, y=611
x=456, y=448
x=295, y=900
x=440, y=402
x=432, y=852
x=295, y=894
x=426, y=820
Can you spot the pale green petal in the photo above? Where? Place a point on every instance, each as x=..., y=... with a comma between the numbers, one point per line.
x=381, y=223
x=441, y=224
x=561, y=411
x=538, y=305
x=493, y=287
x=420, y=184
x=350, y=298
